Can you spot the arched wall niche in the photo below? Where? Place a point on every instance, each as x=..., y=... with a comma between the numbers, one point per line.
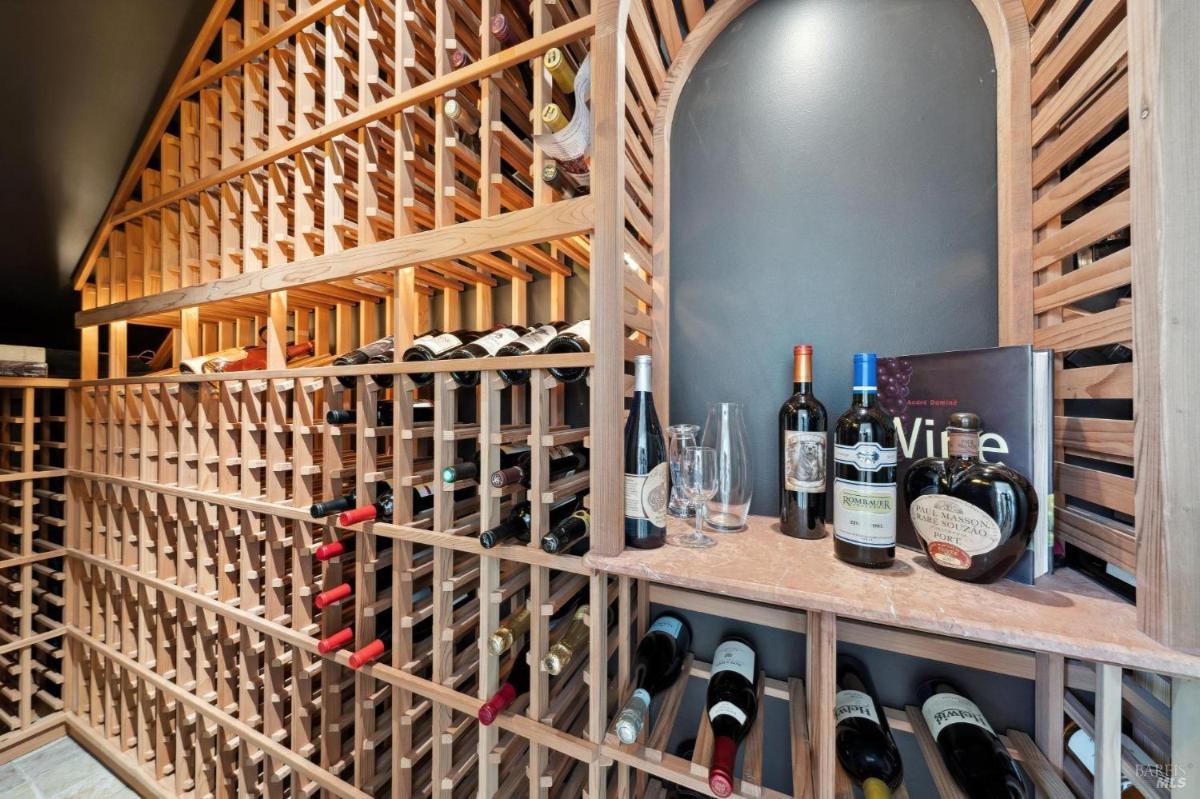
x=1007, y=29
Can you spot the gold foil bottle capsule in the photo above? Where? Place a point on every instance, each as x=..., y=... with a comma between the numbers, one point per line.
x=560, y=70
x=553, y=117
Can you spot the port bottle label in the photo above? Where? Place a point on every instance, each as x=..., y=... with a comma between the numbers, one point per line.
x=734, y=656
x=804, y=460
x=666, y=624
x=443, y=343
x=954, y=531
x=727, y=709
x=865, y=513
x=866, y=456
x=942, y=710
x=850, y=704
x=646, y=495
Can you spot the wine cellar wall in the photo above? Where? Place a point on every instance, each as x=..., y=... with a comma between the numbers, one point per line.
x=328, y=173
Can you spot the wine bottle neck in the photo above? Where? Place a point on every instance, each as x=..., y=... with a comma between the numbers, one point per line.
x=641, y=375
x=802, y=389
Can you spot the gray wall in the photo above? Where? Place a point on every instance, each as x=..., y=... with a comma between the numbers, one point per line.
x=833, y=181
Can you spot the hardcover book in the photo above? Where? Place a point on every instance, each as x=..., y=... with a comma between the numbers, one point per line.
x=1010, y=389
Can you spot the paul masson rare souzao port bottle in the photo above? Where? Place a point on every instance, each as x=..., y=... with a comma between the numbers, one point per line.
x=974, y=519
x=864, y=743
x=656, y=665
x=864, y=484
x=974, y=755
x=731, y=704
x=646, y=484
x=803, y=442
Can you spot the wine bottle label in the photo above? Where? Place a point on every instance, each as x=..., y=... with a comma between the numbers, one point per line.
x=850, y=704
x=726, y=709
x=804, y=460
x=954, y=531
x=582, y=329
x=666, y=624
x=865, y=513
x=493, y=341
x=942, y=710
x=734, y=656
x=439, y=345
x=646, y=495
x=537, y=340
x=425, y=490
x=866, y=456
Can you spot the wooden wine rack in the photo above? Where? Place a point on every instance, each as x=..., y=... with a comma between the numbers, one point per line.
x=303, y=183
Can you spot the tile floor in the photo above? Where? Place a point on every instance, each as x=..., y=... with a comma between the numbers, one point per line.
x=60, y=770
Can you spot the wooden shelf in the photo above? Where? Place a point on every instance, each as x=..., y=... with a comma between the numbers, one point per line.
x=1065, y=614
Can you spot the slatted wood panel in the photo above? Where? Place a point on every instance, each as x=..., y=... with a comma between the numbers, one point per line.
x=1081, y=217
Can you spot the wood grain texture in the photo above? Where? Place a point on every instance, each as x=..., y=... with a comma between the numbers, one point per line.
x=1165, y=98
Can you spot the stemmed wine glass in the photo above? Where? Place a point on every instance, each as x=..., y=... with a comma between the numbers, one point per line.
x=681, y=436
x=698, y=474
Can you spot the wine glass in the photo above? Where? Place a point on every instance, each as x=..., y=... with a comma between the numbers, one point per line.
x=699, y=477
x=681, y=436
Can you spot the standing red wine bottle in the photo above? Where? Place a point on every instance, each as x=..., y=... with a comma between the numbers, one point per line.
x=864, y=743
x=731, y=707
x=656, y=665
x=974, y=754
x=515, y=684
x=645, y=466
x=804, y=437
x=529, y=344
x=864, y=485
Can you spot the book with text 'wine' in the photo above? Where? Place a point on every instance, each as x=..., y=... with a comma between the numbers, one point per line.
x=1010, y=389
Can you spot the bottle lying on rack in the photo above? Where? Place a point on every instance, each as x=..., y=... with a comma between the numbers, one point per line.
x=433, y=348
x=570, y=536
x=242, y=359
x=646, y=484
x=515, y=527
x=1081, y=748
x=459, y=58
x=384, y=507
x=575, y=339
x=469, y=469
x=553, y=175
x=686, y=750
x=657, y=663
x=462, y=115
x=320, y=510
x=517, y=624
x=974, y=755
x=864, y=485
x=564, y=460
x=731, y=704
x=380, y=350
x=378, y=647
x=505, y=30
x=422, y=413
x=516, y=683
x=573, y=638
x=864, y=742
x=346, y=546
x=803, y=441
x=483, y=347
x=559, y=69
x=533, y=342
x=974, y=519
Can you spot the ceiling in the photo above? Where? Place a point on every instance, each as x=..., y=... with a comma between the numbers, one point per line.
x=79, y=82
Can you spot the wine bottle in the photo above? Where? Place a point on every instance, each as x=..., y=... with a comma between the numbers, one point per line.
x=560, y=70
x=517, y=624
x=504, y=30
x=376, y=648
x=656, y=665
x=339, y=640
x=553, y=117
x=464, y=117
x=563, y=650
x=864, y=485
x=332, y=596
x=685, y=750
x=459, y=58
x=974, y=755
x=383, y=349
x=532, y=342
x=422, y=413
x=484, y=347
x=1081, y=748
x=563, y=461
x=516, y=682
x=645, y=466
x=433, y=348
x=864, y=742
x=252, y=358
x=384, y=506
x=732, y=702
x=802, y=454
x=516, y=526
x=469, y=469
x=575, y=338
x=569, y=535
x=346, y=546
x=319, y=510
